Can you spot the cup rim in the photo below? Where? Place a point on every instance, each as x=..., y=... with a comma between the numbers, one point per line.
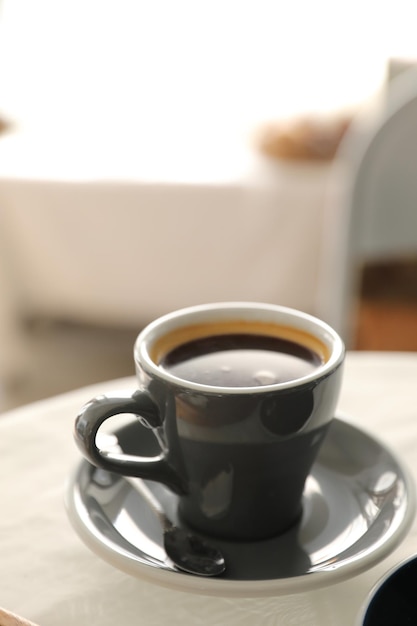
x=256, y=311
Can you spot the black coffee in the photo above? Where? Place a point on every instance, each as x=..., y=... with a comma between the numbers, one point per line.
x=240, y=360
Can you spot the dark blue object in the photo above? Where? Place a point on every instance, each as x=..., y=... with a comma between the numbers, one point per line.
x=395, y=602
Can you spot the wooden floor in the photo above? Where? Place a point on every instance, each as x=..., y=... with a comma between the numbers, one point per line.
x=386, y=326
x=388, y=307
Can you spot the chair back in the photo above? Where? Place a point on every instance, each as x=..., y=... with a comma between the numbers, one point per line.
x=374, y=217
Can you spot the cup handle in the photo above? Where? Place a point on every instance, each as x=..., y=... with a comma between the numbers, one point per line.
x=98, y=410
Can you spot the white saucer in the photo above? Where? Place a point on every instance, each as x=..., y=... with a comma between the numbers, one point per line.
x=358, y=505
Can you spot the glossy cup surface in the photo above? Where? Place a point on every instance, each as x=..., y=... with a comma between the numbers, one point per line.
x=237, y=456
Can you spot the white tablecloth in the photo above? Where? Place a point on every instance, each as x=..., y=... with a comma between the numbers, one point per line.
x=49, y=576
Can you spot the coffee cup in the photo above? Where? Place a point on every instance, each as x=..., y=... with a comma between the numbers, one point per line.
x=239, y=397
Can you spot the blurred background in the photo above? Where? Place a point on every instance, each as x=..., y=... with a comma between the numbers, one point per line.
x=155, y=155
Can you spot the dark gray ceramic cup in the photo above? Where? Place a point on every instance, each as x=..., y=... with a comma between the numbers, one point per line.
x=237, y=456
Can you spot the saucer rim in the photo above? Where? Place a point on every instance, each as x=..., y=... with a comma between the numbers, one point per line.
x=221, y=587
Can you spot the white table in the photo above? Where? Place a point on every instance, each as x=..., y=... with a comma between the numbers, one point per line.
x=50, y=577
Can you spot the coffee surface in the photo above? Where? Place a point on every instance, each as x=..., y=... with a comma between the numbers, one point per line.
x=240, y=360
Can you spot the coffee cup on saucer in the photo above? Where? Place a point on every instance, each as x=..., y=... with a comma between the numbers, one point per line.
x=239, y=397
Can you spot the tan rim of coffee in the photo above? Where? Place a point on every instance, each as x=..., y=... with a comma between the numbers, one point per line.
x=165, y=344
